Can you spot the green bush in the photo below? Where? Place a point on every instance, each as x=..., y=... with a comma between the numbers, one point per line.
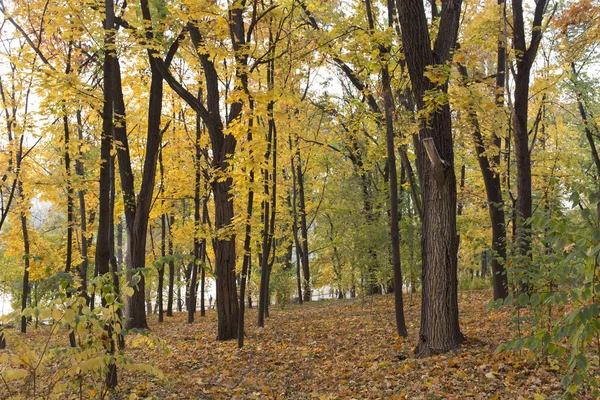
x=54, y=370
x=557, y=316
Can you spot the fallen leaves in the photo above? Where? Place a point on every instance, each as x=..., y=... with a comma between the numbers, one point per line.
x=336, y=350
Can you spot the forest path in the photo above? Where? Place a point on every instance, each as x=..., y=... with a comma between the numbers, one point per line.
x=339, y=349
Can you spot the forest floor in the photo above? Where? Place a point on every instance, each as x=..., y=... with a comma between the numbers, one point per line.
x=338, y=349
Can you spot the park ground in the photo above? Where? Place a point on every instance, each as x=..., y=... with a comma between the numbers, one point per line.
x=339, y=349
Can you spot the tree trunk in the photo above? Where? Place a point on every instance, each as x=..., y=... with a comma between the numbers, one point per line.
x=393, y=179
x=83, y=267
x=171, y=270
x=394, y=229
x=203, y=261
x=179, y=299
x=440, y=330
x=493, y=189
x=303, y=228
x=114, y=266
x=295, y=224
x=223, y=147
x=269, y=206
x=26, y=256
x=523, y=160
x=70, y=193
x=521, y=135
x=161, y=271
x=139, y=220
x=103, y=251
x=248, y=231
x=197, y=201
x=227, y=307
x=163, y=241
x=249, y=276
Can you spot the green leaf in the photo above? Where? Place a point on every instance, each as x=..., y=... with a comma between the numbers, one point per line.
x=582, y=362
x=523, y=299
x=135, y=279
x=535, y=299
x=498, y=303
x=594, y=251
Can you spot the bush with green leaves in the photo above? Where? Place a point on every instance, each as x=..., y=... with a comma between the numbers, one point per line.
x=49, y=368
x=558, y=317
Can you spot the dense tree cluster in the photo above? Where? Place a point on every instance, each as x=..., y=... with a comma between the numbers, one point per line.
x=282, y=148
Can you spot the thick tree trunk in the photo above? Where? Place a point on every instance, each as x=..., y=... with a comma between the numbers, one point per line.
x=523, y=160
x=227, y=307
x=440, y=330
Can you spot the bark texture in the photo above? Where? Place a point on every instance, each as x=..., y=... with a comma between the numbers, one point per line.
x=440, y=330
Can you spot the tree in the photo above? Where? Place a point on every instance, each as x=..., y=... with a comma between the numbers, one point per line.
x=103, y=251
x=137, y=209
x=392, y=178
x=525, y=56
x=223, y=148
x=440, y=331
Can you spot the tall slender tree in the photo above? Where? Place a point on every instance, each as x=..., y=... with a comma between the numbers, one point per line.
x=525, y=56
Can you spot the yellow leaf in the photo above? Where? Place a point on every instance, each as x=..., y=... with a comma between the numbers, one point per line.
x=14, y=374
x=56, y=314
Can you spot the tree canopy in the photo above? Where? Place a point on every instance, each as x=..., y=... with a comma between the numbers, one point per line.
x=160, y=156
